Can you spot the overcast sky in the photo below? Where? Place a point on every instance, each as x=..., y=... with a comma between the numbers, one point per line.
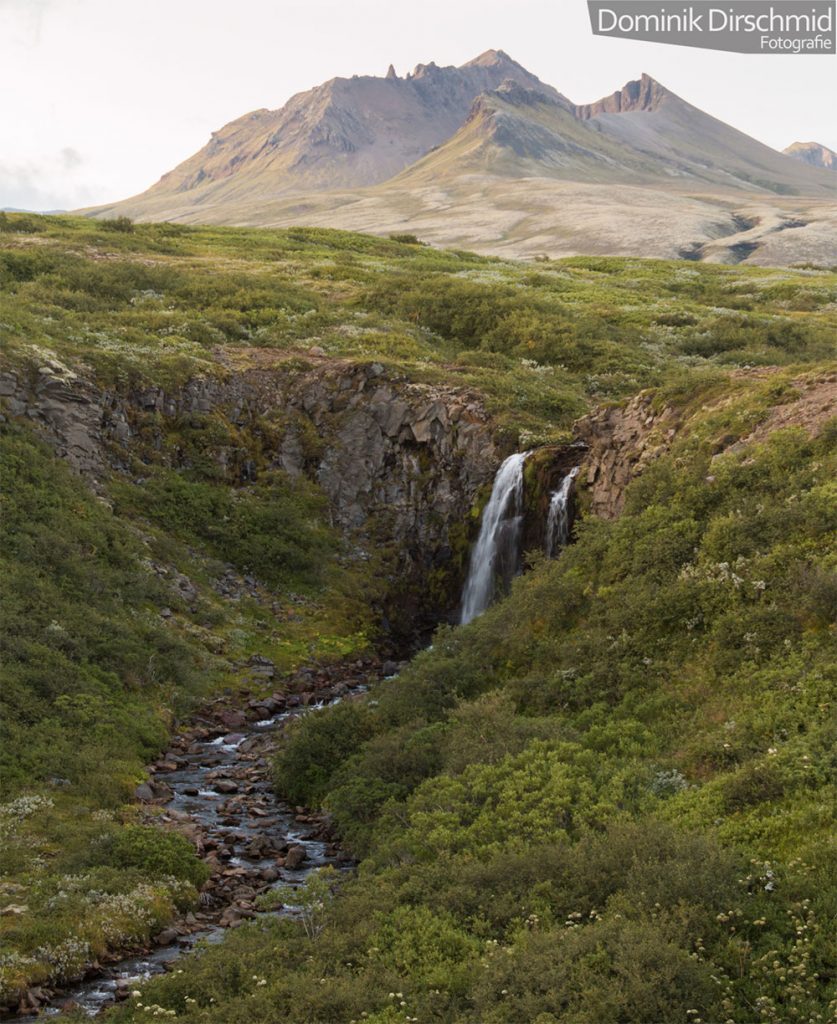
x=101, y=97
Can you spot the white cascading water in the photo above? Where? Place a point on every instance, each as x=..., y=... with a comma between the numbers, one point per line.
x=558, y=519
x=498, y=546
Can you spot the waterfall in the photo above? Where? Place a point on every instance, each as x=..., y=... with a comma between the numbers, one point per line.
x=558, y=519
x=497, y=551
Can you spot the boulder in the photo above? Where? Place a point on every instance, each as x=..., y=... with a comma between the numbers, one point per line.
x=295, y=857
x=225, y=786
x=232, y=718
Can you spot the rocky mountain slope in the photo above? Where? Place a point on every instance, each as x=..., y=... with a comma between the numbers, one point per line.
x=642, y=134
x=345, y=133
x=813, y=153
x=470, y=156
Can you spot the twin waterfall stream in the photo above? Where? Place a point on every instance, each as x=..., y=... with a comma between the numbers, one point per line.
x=248, y=827
x=496, y=556
x=558, y=520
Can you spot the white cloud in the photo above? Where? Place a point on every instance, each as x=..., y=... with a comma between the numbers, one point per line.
x=56, y=182
x=71, y=158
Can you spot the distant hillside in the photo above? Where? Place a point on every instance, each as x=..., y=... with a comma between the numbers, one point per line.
x=643, y=134
x=345, y=133
x=469, y=156
x=813, y=153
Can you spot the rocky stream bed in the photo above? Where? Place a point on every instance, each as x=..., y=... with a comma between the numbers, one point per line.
x=213, y=785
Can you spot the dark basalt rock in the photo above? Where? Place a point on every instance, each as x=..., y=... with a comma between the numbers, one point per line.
x=395, y=459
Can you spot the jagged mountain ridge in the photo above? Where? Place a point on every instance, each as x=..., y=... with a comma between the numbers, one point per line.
x=644, y=134
x=345, y=133
x=356, y=132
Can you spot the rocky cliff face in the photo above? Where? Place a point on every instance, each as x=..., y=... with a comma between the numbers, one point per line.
x=641, y=94
x=400, y=463
x=621, y=441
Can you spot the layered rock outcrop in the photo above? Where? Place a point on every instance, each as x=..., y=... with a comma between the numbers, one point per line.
x=621, y=441
x=400, y=463
x=641, y=94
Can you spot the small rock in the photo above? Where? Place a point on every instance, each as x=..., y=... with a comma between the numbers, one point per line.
x=225, y=786
x=231, y=918
x=294, y=857
x=261, y=665
x=14, y=910
x=144, y=792
x=213, y=862
x=166, y=937
x=162, y=790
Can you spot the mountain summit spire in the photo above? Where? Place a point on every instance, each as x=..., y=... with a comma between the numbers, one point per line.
x=492, y=59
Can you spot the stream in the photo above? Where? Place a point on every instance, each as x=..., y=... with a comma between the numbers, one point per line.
x=214, y=786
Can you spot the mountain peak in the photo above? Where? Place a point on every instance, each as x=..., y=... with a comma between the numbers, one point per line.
x=492, y=59
x=644, y=93
x=813, y=153
x=490, y=116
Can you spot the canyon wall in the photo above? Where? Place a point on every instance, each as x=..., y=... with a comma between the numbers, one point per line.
x=401, y=464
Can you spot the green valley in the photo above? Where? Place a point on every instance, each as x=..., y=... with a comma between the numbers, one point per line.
x=234, y=458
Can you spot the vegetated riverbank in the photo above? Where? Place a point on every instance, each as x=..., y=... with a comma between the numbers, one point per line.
x=213, y=785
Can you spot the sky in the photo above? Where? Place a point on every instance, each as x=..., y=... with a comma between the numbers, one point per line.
x=101, y=97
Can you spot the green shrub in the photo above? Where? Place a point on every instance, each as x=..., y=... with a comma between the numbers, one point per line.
x=80, y=640
x=123, y=224
x=157, y=853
